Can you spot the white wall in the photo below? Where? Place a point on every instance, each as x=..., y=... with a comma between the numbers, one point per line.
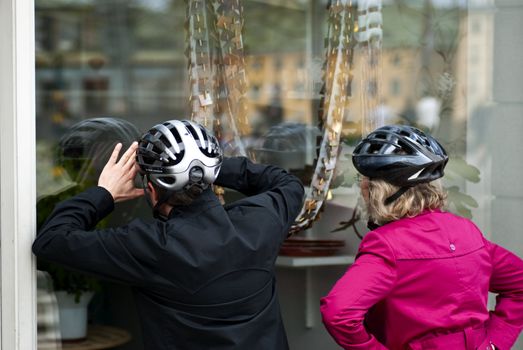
x=17, y=175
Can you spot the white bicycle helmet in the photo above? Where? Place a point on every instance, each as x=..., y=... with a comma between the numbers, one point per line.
x=178, y=154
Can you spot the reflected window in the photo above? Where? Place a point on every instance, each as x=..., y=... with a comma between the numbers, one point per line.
x=476, y=27
x=396, y=60
x=395, y=87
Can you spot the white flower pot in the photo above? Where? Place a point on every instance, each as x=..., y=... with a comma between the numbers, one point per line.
x=73, y=315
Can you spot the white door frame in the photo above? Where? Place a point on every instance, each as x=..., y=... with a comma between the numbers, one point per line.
x=17, y=175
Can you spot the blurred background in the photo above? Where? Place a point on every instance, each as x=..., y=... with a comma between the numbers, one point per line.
x=450, y=67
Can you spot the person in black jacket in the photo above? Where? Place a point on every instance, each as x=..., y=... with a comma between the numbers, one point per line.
x=202, y=272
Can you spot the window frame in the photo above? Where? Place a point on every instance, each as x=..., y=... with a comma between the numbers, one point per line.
x=17, y=176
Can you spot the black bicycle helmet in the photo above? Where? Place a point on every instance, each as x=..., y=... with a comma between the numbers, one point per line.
x=289, y=145
x=401, y=155
x=179, y=153
x=85, y=148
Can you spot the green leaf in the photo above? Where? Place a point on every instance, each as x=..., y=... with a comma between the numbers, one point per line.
x=458, y=168
x=461, y=201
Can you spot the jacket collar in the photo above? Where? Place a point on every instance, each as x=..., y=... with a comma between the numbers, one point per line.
x=207, y=199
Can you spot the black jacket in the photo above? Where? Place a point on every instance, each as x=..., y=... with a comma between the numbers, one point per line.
x=203, y=279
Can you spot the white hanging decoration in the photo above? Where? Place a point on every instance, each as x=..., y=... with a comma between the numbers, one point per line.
x=370, y=36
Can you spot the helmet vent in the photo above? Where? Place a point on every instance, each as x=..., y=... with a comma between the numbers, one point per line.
x=164, y=140
x=177, y=137
x=399, y=150
x=204, y=133
x=192, y=131
x=167, y=180
x=157, y=149
x=404, y=148
x=374, y=148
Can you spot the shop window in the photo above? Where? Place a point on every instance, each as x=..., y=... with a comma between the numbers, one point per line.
x=126, y=60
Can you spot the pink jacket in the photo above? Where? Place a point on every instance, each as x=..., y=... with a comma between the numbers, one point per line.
x=422, y=283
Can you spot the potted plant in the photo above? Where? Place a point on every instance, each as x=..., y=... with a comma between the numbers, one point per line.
x=73, y=290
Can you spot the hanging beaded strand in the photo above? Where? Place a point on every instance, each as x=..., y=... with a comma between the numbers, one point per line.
x=335, y=99
x=232, y=79
x=201, y=51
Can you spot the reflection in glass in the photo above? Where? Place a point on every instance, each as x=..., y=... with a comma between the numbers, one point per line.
x=80, y=156
x=48, y=319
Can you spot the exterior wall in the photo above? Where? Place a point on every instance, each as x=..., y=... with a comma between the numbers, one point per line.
x=496, y=126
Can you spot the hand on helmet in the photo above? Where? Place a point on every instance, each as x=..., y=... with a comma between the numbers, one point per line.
x=117, y=177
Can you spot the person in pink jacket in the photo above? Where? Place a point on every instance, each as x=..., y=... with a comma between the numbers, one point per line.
x=422, y=275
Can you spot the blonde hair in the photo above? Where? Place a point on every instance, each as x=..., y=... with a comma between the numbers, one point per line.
x=411, y=203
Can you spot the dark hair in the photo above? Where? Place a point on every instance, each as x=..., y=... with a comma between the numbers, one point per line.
x=183, y=198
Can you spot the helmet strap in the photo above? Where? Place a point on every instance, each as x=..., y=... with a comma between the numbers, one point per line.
x=371, y=225
x=396, y=195
x=146, y=190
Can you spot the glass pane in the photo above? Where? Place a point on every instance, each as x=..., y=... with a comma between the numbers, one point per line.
x=107, y=70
